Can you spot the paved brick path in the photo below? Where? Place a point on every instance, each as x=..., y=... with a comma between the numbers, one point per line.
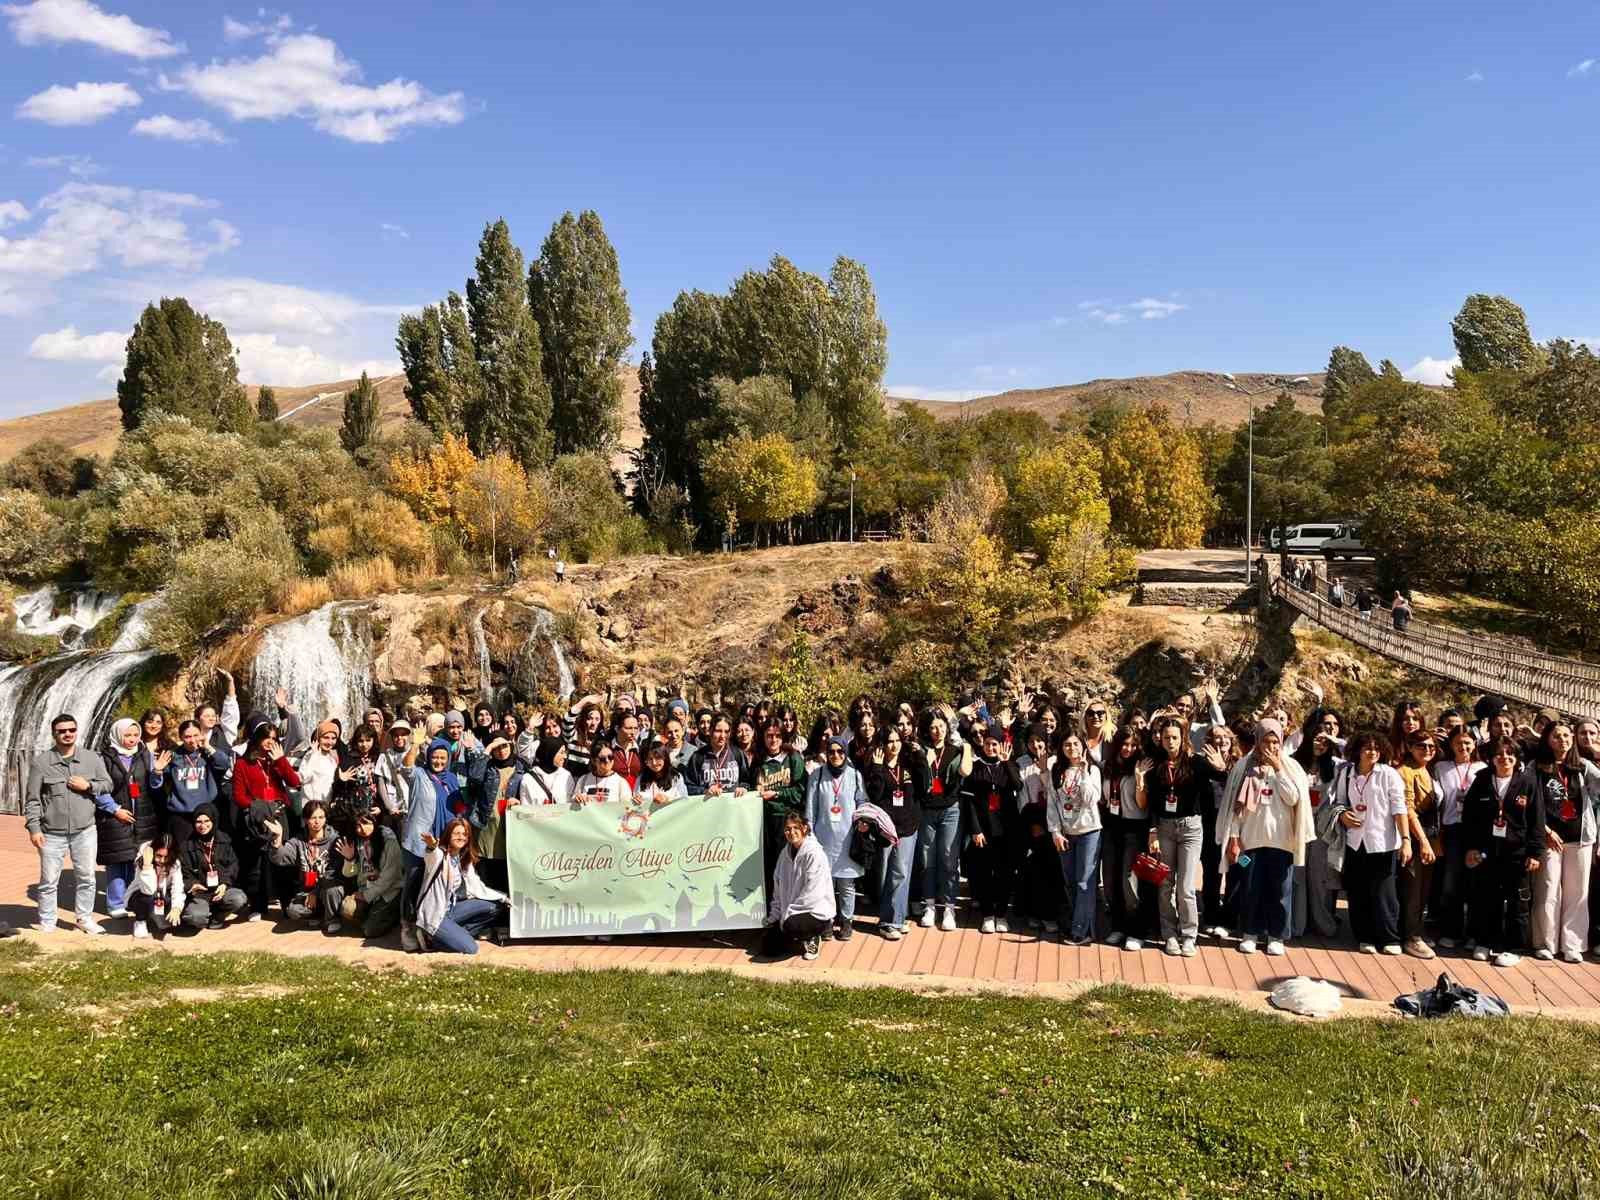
x=925, y=957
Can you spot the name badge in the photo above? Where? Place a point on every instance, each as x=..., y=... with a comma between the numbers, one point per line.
x=1499, y=829
x=1114, y=803
x=212, y=880
x=899, y=799
x=1172, y=804
x=192, y=784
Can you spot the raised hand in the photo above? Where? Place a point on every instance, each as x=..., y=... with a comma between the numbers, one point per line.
x=345, y=849
x=163, y=759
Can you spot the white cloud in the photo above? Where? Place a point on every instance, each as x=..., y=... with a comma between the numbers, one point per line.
x=171, y=129
x=1435, y=371
x=1156, y=310
x=1582, y=68
x=68, y=345
x=79, y=166
x=256, y=305
x=86, y=225
x=390, y=229
x=57, y=21
x=1475, y=77
x=906, y=391
x=1106, y=316
x=264, y=359
x=267, y=23
x=12, y=211
x=80, y=104
x=304, y=75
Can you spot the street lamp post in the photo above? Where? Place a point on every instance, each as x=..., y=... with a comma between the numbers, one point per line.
x=1250, y=456
x=852, y=506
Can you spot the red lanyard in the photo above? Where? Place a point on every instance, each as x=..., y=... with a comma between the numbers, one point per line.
x=1462, y=773
x=838, y=786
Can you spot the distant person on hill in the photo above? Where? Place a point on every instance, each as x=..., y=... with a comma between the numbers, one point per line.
x=802, y=906
x=1364, y=603
x=1400, y=611
x=1336, y=594
x=561, y=570
x=65, y=783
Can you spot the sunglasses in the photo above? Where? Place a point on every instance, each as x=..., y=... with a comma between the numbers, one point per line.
x=68, y=729
x=1097, y=712
x=603, y=758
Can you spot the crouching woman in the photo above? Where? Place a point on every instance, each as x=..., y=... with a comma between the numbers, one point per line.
x=455, y=906
x=155, y=893
x=367, y=878
x=211, y=872
x=802, y=891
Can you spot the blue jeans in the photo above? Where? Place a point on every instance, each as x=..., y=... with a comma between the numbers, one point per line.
x=939, y=850
x=1270, y=910
x=1079, y=863
x=82, y=846
x=895, y=894
x=844, y=899
x=455, y=934
x=118, y=877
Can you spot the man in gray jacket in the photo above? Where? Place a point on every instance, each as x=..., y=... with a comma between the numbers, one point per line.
x=58, y=809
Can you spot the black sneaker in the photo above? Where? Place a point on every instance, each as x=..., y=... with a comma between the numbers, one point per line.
x=215, y=923
x=845, y=932
x=811, y=948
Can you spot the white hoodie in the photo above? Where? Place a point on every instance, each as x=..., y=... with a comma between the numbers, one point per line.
x=802, y=882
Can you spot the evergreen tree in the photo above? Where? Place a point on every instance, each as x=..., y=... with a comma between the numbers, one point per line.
x=429, y=388
x=266, y=404
x=1347, y=370
x=691, y=351
x=1292, y=470
x=1491, y=333
x=510, y=408
x=575, y=290
x=360, y=416
x=857, y=352
x=181, y=362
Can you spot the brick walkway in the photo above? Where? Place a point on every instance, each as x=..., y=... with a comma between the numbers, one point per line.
x=924, y=958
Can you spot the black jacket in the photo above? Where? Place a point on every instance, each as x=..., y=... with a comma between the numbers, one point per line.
x=913, y=786
x=192, y=858
x=1523, y=811
x=132, y=790
x=989, y=799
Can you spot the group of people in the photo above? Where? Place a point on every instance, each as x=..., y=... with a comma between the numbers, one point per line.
x=1474, y=832
x=1362, y=598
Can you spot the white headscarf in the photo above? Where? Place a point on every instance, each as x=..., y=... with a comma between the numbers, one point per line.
x=118, y=728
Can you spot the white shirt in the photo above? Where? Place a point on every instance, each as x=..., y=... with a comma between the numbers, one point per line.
x=592, y=789
x=1035, y=787
x=559, y=782
x=1377, y=799
x=1452, y=779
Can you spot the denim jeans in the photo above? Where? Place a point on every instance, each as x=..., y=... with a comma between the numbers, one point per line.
x=118, y=877
x=465, y=918
x=1079, y=863
x=896, y=888
x=83, y=846
x=939, y=850
x=844, y=899
x=1271, y=895
x=1179, y=839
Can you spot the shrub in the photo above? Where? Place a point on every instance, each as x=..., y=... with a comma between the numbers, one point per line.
x=49, y=468
x=36, y=541
x=362, y=527
x=367, y=577
x=296, y=596
x=219, y=585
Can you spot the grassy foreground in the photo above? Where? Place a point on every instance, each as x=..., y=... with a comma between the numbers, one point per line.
x=133, y=1075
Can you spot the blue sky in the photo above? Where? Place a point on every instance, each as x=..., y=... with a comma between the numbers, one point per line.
x=1043, y=194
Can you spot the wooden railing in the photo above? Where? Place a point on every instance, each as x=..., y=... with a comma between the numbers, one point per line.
x=1480, y=661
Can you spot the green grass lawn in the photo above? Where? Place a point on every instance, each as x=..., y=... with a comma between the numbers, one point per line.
x=326, y=1080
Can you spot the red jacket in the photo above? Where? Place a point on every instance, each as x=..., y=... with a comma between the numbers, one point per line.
x=252, y=781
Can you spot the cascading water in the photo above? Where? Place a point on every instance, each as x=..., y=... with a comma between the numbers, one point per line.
x=544, y=627
x=85, y=683
x=85, y=608
x=135, y=630
x=323, y=660
x=481, y=644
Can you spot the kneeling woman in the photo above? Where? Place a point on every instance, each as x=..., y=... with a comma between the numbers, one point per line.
x=802, y=890
x=155, y=893
x=1266, y=813
x=367, y=879
x=307, y=863
x=455, y=905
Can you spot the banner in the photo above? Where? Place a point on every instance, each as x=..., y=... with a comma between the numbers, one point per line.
x=610, y=868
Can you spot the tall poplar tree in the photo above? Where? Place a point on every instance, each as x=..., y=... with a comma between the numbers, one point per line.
x=360, y=416
x=510, y=409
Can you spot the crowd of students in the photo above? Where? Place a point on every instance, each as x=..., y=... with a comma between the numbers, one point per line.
x=1474, y=832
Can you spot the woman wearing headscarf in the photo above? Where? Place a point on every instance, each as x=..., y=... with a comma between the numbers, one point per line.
x=436, y=799
x=318, y=767
x=1266, y=814
x=132, y=814
x=549, y=782
x=832, y=793
x=263, y=779
x=211, y=873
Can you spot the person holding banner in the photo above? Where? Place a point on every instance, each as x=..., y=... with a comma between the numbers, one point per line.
x=832, y=793
x=779, y=775
x=602, y=784
x=660, y=781
x=719, y=767
x=802, y=907
x=549, y=781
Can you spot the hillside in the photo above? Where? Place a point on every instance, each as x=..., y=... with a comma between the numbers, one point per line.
x=1192, y=397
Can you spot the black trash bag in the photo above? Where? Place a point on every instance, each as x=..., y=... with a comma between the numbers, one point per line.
x=1449, y=998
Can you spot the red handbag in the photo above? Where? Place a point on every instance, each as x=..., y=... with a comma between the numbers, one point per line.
x=1152, y=870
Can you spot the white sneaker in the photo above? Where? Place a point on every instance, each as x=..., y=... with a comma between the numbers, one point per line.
x=253, y=917
x=408, y=939
x=1275, y=948
x=116, y=914
x=1506, y=959
x=1001, y=925
x=1393, y=949
x=1173, y=948
x=43, y=928
x=1480, y=955
x=1543, y=954
x=90, y=927
x=141, y=930
x=1189, y=949
x=1115, y=939
x=1247, y=945
x=948, y=925
x=1133, y=944
x=1219, y=932
x=1571, y=956
x=988, y=925
x=1367, y=948
x=927, y=918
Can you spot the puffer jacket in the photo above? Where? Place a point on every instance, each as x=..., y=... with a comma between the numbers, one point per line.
x=137, y=788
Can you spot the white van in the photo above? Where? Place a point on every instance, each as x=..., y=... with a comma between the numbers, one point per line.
x=1345, y=543
x=1302, y=539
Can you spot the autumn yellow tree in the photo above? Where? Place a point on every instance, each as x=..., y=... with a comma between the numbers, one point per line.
x=362, y=526
x=433, y=483
x=1153, y=475
x=503, y=510
x=762, y=480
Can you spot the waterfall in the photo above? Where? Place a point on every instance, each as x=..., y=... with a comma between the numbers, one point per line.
x=481, y=645
x=323, y=660
x=85, y=683
x=544, y=626
x=86, y=608
x=136, y=629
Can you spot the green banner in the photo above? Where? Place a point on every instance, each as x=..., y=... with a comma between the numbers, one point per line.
x=693, y=864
